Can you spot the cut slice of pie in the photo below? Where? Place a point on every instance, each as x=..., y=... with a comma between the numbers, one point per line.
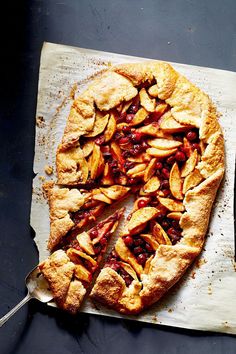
x=143, y=129
x=73, y=209
x=69, y=271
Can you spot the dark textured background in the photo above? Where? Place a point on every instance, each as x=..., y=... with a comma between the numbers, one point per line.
x=199, y=32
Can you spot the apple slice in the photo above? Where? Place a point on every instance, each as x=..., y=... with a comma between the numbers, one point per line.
x=126, y=106
x=152, y=129
x=129, y=270
x=164, y=144
x=107, y=178
x=192, y=180
x=94, y=161
x=85, y=243
x=190, y=164
x=76, y=255
x=160, y=235
x=88, y=147
x=97, y=195
x=110, y=129
x=160, y=153
x=148, y=103
x=126, y=255
x=176, y=215
x=100, y=124
x=115, y=192
x=160, y=109
x=152, y=185
x=148, y=265
x=149, y=239
x=176, y=182
x=82, y=273
x=150, y=170
x=139, y=117
x=170, y=204
x=169, y=125
x=153, y=91
x=140, y=217
x=143, y=157
x=117, y=155
x=138, y=168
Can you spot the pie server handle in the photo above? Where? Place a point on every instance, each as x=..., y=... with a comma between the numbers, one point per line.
x=5, y=318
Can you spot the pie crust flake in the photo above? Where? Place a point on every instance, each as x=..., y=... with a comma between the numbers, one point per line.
x=140, y=129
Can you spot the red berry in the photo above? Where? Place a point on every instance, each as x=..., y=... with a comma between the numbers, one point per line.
x=197, y=147
x=191, y=136
x=160, y=217
x=132, y=181
x=124, y=140
x=165, y=184
x=100, y=140
x=142, y=203
x=128, y=241
x=165, y=173
x=122, y=116
x=129, y=118
x=138, y=242
x=103, y=241
x=137, y=250
x=126, y=129
x=170, y=160
x=180, y=156
x=133, y=108
x=141, y=258
x=114, y=265
x=136, y=137
x=145, y=145
x=166, y=192
x=97, y=248
x=155, y=116
x=172, y=232
x=148, y=247
x=165, y=224
x=93, y=233
x=159, y=165
x=175, y=223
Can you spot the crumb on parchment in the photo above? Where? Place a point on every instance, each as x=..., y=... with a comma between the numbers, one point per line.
x=48, y=170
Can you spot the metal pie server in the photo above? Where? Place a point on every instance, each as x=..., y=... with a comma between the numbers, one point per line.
x=37, y=289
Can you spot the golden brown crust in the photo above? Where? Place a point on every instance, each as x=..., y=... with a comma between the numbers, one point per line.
x=189, y=106
x=61, y=202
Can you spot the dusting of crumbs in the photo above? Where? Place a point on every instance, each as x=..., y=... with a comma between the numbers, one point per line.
x=48, y=170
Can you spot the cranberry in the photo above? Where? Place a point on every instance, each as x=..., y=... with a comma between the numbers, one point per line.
x=175, y=224
x=122, y=116
x=128, y=165
x=180, y=156
x=103, y=241
x=166, y=192
x=159, y=165
x=155, y=116
x=97, y=248
x=172, y=231
x=148, y=247
x=114, y=265
x=128, y=241
x=129, y=118
x=160, y=217
x=125, y=154
x=126, y=129
x=116, y=171
x=117, y=136
x=128, y=279
x=93, y=233
x=136, y=150
x=142, y=203
x=124, y=140
x=100, y=140
x=170, y=160
x=165, y=224
x=113, y=163
x=131, y=181
x=137, y=250
x=197, y=147
x=191, y=136
x=165, y=184
x=145, y=145
x=138, y=242
x=136, y=137
x=142, y=258
x=165, y=173
x=133, y=108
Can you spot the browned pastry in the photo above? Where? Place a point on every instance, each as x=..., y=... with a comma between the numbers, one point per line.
x=69, y=271
x=146, y=128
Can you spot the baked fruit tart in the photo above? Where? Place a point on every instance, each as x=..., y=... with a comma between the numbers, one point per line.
x=140, y=129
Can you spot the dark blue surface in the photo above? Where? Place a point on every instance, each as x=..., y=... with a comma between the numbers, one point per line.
x=199, y=32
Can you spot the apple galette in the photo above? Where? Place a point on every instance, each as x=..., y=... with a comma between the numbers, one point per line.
x=142, y=129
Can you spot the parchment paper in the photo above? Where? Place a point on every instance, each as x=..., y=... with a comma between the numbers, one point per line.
x=205, y=297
